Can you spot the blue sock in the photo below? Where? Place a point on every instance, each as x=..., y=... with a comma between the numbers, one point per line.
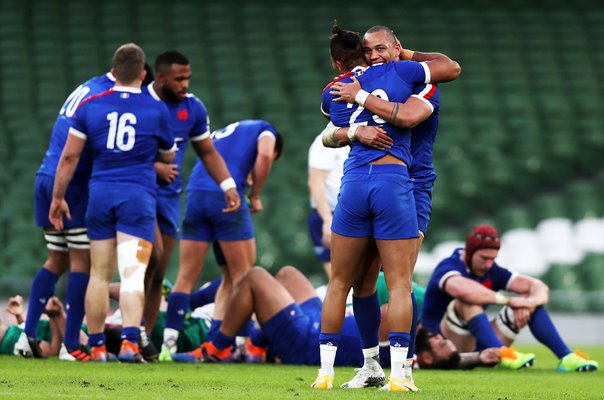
x=222, y=341
x=483, y=332
x=245, y=330
x=399, y=339
x=131, y=333
x=96, y=339
x=332, y=339
x=413, y=333
x=42, y=289
x=543, y=330
x=205, y=295
x=368, y=317
x=178, y=305
x=214, y=326
x=76, y=293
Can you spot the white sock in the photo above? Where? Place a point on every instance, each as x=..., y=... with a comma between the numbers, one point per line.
x=170, y=338
x=328, y=358
x=372, y=356
x=409, y=369
x=144, y=337
x=398, y=355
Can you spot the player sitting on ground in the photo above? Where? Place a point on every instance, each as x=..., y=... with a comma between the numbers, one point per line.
x=463, y=285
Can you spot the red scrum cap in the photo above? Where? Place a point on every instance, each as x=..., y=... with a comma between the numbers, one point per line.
x=481, y=237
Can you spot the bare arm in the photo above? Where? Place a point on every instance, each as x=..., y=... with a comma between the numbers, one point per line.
x=405, y=115
x=68, y=163
x=442, y=68
x=372, y=136
x=486, y=358
x=15, y=307
x=262, y=168
x=470, y=291
x=57, y=320
x=535, y=290
x=217, y=169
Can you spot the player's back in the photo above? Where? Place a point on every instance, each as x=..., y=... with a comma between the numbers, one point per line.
x=60, y=130
x=423, y=136
x=124, y=129
x=392, y=82
x=238, y=145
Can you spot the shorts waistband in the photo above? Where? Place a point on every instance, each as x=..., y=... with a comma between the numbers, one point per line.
x=369, y=169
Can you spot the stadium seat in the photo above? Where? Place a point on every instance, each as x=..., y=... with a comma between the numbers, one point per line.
x=521, y=251
x=556, y=240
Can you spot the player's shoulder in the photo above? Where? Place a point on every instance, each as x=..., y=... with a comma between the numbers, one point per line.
x=338, y=78
x=101, y=82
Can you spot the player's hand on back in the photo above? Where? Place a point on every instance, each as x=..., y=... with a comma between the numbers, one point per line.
x=345, y=91
x=233, y=201
x=374, y=136
x=166, y=172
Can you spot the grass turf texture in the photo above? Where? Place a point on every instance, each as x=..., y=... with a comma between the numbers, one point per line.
x=37, y=379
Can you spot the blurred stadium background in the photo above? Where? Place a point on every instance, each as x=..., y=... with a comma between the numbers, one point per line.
x=520, y=142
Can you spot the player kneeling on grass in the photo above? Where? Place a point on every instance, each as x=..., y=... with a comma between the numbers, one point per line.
x=463, y=285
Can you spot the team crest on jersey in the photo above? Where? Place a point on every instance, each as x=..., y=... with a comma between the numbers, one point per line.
x=183, y=114
x=488, y=283
x=124, y=95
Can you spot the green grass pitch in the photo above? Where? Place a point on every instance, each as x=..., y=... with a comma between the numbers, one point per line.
x=43, y=379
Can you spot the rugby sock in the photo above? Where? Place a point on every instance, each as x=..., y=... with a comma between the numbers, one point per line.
x=205, y=295
x=42, y=289
x=222, y=341
x=96, y=339
x=131, y=333
x=399, y=346
x=74, y=297
x=245, y=330
x=214, y=326
x=543, y=330
x=412, y=336
x=368, y=317
x=328, y=346
x=178, y=305
x=483, y=332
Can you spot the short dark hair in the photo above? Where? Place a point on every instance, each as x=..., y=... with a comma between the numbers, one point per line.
x=149, y=75
x=422, y=344
x=278, y=145
x=128, y=62
x=382, y=28
x=346, y=47
x=167, y=58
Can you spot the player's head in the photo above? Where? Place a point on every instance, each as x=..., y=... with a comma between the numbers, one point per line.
x=345, y=49
x=434, y=351
x=172, y=75
x=129, y=64
x=380, y=45
x=482, y=247
x=148, y=75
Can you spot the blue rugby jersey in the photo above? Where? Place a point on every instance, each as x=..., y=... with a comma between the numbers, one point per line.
x=424, y=134
x=391, y=82
x=238, y=145
x=436, y=299
x=60, y=129
x=189, y=121
x=124, y=129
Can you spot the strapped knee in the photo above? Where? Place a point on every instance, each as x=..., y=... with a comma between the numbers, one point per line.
x=132, y=259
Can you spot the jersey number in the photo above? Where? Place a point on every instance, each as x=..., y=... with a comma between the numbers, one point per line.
x=73, y=101
x=353, y=118
x=121, y=131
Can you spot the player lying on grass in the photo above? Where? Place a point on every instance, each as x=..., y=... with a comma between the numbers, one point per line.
x=50, y=331
x=288, y=311
x=463, y=285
